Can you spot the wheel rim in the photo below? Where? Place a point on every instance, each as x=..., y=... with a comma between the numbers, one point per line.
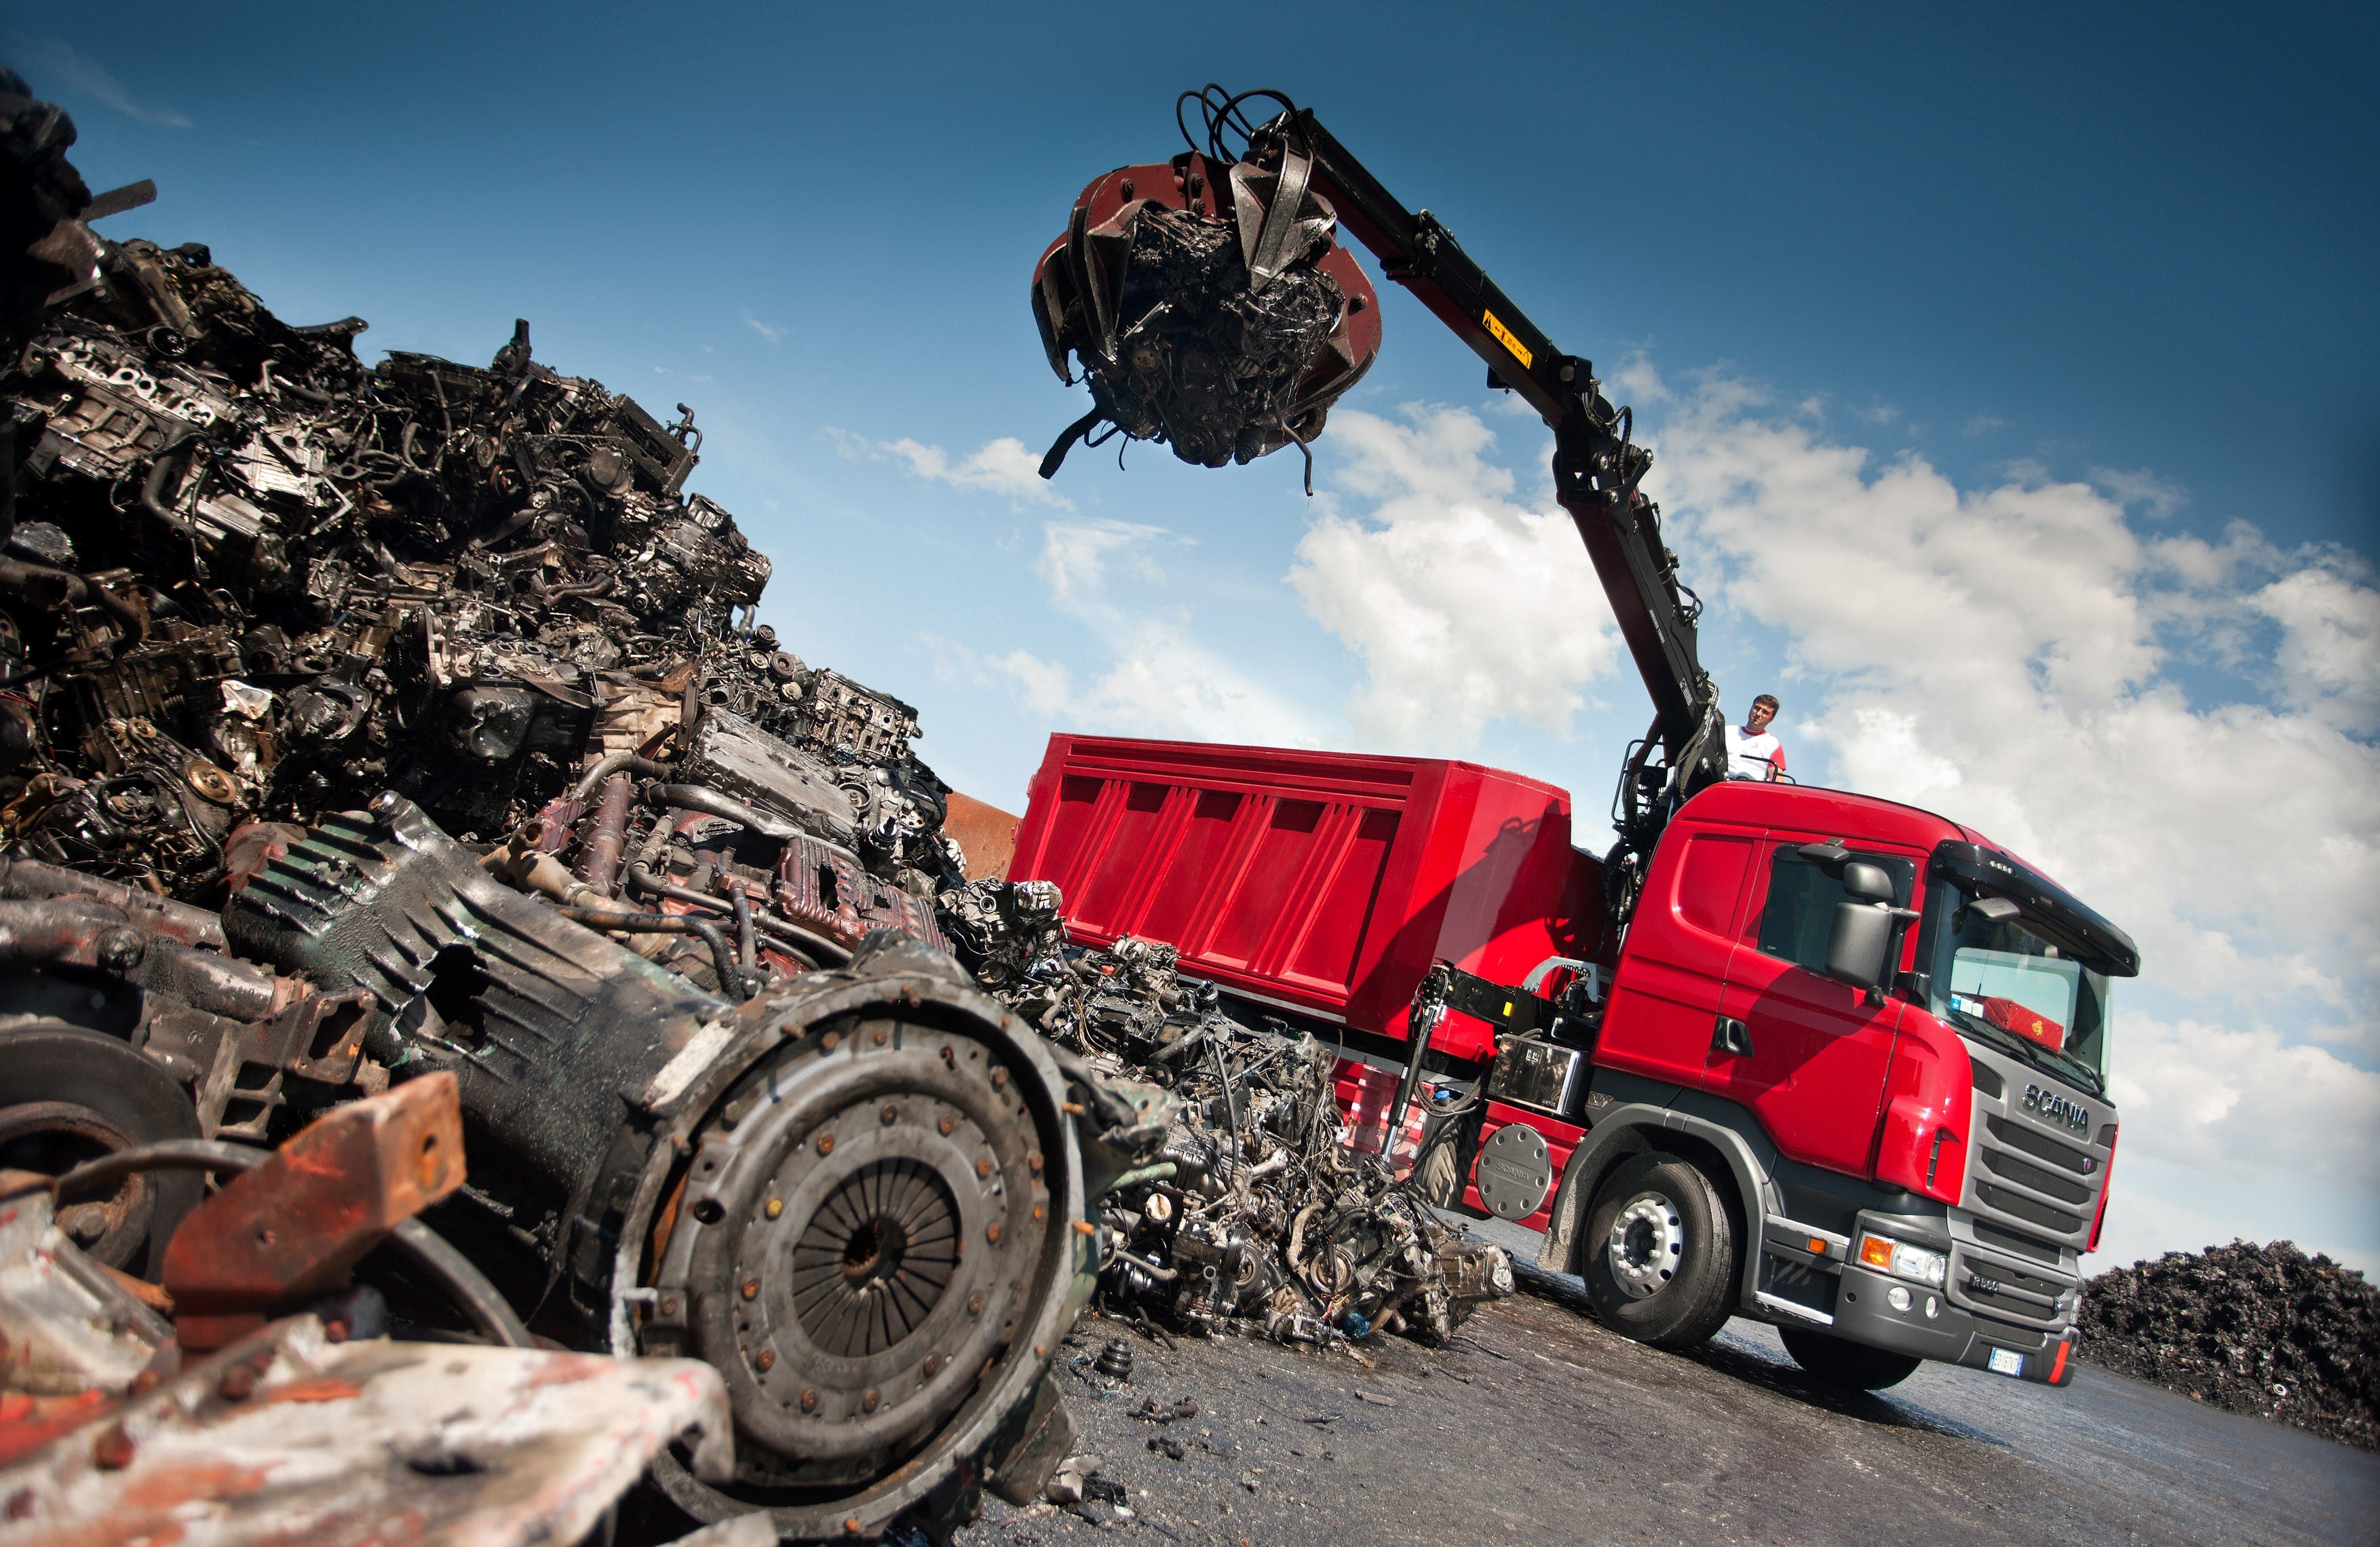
x=53, y=1138
x=1646, y=1245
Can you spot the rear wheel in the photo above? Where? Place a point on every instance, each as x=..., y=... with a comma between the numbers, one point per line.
x=1662, y=1262
x=1852, y=1366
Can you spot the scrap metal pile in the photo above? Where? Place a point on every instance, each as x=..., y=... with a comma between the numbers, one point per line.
x=370, y=727
x=2264, y=1330
x=360, y=726
x=1260, y=1211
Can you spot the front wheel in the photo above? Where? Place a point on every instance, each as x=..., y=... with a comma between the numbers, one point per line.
x=1852, y=1366
x=1662, y=1262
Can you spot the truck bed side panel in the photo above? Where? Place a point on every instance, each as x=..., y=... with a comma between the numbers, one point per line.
x=1326, y=881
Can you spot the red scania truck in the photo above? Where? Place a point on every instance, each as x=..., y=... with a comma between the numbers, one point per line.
x=1846, y=1070
x=1807, y=1056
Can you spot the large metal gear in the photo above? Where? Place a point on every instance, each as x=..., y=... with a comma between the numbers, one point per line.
x=863, y=1216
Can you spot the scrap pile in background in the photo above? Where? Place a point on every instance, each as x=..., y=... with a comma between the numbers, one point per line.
x=2264, y=1330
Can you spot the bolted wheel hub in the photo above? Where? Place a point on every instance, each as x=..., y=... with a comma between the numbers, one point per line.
x=875, y=1259
x=1646, y=1245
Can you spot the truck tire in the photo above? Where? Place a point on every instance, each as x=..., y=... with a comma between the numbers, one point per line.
x=1661, y=1253
x=1851, y=1366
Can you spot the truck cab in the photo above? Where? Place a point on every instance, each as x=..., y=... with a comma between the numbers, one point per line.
x=1908, y=1166
x=1845, y=1071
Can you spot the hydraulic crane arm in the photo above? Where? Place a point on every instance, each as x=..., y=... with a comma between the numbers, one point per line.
x=1596, y=464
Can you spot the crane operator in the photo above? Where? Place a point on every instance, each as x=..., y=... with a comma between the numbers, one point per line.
x=1751, y=752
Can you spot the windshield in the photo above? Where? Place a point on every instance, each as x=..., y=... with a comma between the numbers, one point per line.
x=2006, y=985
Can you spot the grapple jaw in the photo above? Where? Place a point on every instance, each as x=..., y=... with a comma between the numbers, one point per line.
x=1209, y=305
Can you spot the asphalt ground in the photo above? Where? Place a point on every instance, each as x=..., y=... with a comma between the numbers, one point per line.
x=1536, y=1425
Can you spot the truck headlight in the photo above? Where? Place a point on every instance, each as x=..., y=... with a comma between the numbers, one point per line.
x=1903, y=1260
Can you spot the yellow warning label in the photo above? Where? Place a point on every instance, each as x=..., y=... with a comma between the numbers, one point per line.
x=1504, y=337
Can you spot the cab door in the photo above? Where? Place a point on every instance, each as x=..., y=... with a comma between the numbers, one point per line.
x=1666, y=996
x=1806, y=1053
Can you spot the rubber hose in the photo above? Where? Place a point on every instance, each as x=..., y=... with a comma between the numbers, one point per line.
x=722, y=956
x=746, y=950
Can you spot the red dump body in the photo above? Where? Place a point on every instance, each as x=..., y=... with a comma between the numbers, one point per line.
x=1327, y=881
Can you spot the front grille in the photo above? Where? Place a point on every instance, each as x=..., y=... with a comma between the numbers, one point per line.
x=2063, y=1189
x=2016, y=1136
x=2024, y=1246
x=2016, y=1205
x=2034, y=1188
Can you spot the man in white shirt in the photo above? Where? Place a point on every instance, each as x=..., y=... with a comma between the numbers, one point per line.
x=1751, y=753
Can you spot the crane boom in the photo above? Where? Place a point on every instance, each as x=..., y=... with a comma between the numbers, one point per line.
x=1597, y=466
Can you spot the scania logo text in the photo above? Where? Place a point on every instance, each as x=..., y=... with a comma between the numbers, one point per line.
x=2057, y=1108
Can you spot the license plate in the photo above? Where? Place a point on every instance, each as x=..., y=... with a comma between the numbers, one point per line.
x=2006, y=1361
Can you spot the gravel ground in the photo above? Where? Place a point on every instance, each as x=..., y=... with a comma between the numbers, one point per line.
x=1537, y=1425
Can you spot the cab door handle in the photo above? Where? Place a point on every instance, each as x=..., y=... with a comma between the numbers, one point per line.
x=1731, y=1035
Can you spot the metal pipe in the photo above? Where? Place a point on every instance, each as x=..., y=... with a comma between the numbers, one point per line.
x=51, y=589
x=191, y=926
x=606, y=841
x=710, y=802
x=616, y=762
x=723, y=956
x=836, y=951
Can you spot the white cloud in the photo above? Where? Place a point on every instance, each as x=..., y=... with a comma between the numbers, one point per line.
x=1465, y=607
x=50, y=58
x=2023, y=637
x=1984, y=425
x=1154, y=677
x=2329, y=655
x=2208, y=1097
x=1001, y=467
x=763, y=329
x=2159, y=497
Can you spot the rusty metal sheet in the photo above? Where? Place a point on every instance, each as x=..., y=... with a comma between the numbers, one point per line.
x=985, y=834
x=288, y=1437
x=67, y=1328
x=296, y=1224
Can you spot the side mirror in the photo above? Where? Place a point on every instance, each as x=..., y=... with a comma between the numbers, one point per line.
x=1861, y=937
x=1867, y=883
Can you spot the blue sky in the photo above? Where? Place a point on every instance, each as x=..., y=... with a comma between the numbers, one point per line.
x=2045, y=338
